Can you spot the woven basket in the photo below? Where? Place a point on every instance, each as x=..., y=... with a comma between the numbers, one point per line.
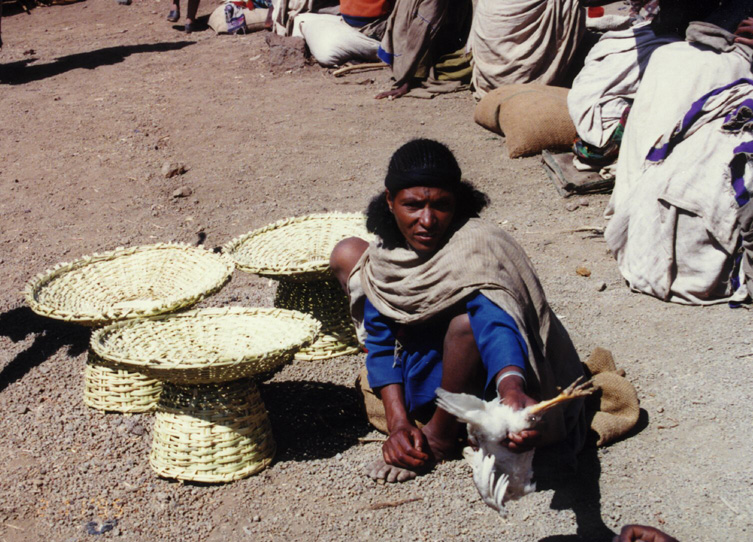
x=112, y=389
x=325, y=301
x=296, y=248
x=208, y=345
x=211, y=433
x=128, y=283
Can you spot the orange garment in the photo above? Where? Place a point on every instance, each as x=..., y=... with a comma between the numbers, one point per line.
x=365, y=8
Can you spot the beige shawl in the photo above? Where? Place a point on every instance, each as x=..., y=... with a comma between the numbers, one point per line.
x=478, y=257
x=525, y=41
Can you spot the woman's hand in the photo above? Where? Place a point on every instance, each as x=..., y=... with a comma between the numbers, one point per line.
x=405, y=447
x=636, y=533
x=745, y=28
x=511, y=393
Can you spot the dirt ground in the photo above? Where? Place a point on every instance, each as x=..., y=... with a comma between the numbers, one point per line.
x=96, y=97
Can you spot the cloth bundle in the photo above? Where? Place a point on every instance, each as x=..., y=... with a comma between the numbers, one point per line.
x=332, y=41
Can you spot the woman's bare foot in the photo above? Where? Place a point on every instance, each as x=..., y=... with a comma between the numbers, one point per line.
x=439, y=450
x=379, y=470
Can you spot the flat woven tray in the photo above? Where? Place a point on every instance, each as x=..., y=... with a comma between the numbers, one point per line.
x=211, y=433
x=325, y=301
x=295, y=248
x=111, y=389
x=207, y=345
x=128, y=283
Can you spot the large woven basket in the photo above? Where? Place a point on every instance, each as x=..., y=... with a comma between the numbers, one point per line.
x=207, y=345
x=325, y=301
x=128, y=283
x=112, y=389
x=211, y=433
x=296, y=248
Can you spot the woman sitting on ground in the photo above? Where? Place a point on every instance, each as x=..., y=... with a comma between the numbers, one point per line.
x=449, y=300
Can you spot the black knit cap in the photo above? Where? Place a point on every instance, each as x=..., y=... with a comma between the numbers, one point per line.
x=422, y=162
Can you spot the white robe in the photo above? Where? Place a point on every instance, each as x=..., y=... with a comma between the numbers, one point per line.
x=673, y=227
x=609, y=80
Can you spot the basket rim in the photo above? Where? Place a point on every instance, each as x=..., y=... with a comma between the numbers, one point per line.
x=187, y=366
x=311, y=267
x=37, y=283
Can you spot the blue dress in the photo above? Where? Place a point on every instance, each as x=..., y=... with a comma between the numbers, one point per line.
x=417, y=362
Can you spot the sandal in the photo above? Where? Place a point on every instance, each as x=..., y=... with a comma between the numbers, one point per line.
x=189, y=27
x=173, y=16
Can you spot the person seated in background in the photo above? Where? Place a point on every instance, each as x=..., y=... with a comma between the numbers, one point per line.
x=418, y=34
x=681, y=201
x=528, y=41
x=449, y=300
x=361, y=13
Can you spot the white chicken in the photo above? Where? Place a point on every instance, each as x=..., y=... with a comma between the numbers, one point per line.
x=499, y=474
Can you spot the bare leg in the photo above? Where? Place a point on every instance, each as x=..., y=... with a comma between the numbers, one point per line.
x=344, y=258
x=191, y=9
x=462, y=372
x=174, y=14
x=268, y=23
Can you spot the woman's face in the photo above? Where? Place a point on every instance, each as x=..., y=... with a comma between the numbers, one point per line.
x=423, y=215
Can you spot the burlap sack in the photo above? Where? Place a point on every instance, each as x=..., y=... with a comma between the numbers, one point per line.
x=615, y=407
x=373, y=406
x=371, y=403
x=532, y=118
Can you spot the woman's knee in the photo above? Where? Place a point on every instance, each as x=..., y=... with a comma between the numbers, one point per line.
x=345, y=256
x=460, y=333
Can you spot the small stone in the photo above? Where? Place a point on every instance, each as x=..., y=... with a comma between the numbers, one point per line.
x=660, y=410
x=601, y=286
x=572, y=206
x=339, y=456
x=137, y=429
x=183, y=192
x=171, y=169
x=583, y=202
x=583, y=271
x=22, y=409
x=248, y=530
x=256, y=519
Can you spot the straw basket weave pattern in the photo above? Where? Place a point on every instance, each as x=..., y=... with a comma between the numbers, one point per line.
x=211, y=433
x=207, y=345
x=296, y=248
x=128, y=283
x=111, y=389
x=325, y=301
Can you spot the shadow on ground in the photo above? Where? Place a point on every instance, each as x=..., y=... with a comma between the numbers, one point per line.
x=313, y=420
x=21, y=72
x=581, y=493
x=50, y=336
